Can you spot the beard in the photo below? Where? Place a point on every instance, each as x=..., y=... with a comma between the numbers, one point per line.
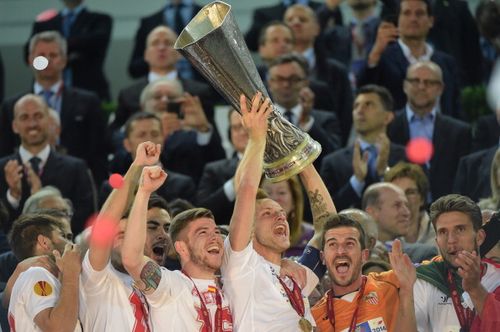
x=199, y=260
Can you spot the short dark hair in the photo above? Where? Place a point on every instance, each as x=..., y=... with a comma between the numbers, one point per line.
x=25, y=230
x=183, y=219
x=179, y=205
x=263, y=31
x=382, y=92
x=411, y=171
x=456, y=203
x=335, y=220
x=427, y=3
x=289, y=58
x=137, y=117
x=156, y=201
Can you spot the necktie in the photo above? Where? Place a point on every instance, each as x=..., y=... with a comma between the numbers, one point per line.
x=35, y=164
x=372, y=161
x=179, y=20
x=47, y=95
x=67, y=22
x=289, y=115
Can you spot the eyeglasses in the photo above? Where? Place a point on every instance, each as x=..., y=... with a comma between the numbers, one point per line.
x=292, y=80
x=427, y=83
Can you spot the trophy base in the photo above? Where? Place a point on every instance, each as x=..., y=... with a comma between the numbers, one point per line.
x=293, y=164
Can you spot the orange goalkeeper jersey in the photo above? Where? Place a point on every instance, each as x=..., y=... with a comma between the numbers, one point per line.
x=377, y=311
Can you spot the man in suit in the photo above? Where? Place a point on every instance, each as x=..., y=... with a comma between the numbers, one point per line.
x=422, y=117
x=304, y=24
x=162, y=58
x=216, y=190
x=387, y=204
x=396, y=48
x=487, y=131
x=83, y=124
x=474, y=174
x=276, y=39
x=264, y=15
x=36, y=165
x=286, y=81
x=348, y=171
x=176, y=14
x=190, y=140
x=88, y=35
x=142, y=127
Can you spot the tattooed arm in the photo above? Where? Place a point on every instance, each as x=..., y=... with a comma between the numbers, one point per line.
x=143, y=270
x=320, y=200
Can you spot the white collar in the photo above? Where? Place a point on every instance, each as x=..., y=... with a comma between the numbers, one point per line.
x=296, y=111
x=43, y=155
x=37, y=88
x=411, y=59
x=169, y=76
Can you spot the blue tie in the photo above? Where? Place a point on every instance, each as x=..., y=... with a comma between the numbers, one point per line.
x=47, y=95
x=372, y=161
x=179, y=20
x=67, y=23
x=289, y=116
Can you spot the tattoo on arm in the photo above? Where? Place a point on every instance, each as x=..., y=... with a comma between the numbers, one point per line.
x=150, y=276
x=318, y=205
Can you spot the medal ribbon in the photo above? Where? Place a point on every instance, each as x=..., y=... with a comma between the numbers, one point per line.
x=204, y=309
x=295, y=296
x=331, y=311
x=465, y=315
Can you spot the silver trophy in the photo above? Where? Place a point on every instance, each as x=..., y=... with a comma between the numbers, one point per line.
x=214, y=44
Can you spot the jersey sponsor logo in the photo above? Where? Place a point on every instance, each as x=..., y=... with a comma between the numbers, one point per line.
x=42, y=288
x=373, y=325
x=444, y=300
x=371, y=298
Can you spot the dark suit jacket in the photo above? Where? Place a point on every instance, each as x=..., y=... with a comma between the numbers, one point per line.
x=335, y=75
x=83, y=129
x=68, y=174
x=336, y=170
x=391, y=72
x=264, y=15
x=182, y=153
x=455, y=33
x=210, y=193
x=175, y=186
x=473, y=174
x=88, y=43
x=2, y=80
x=487, y=132
x=129, y=99
x=137, y=67
x=451, y=139
x=326, y=131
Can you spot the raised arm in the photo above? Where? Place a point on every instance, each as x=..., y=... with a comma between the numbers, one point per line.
x=321, y=202
x=144, y=271
x=64, y=315
x=117, y=202
x=249, y=170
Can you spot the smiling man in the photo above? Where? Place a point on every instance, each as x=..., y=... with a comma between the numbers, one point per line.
x=460, y=292
x=377, y=302
x=186, y=300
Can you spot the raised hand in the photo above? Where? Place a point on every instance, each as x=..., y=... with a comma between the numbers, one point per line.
x=469, y=268
x=147, y=154
x=194, y=115
x=403, y=267
x=13, y=174
x=255, y=119
x=69, y=264
x=386, y=33
x=152, y=178
x=359, y=163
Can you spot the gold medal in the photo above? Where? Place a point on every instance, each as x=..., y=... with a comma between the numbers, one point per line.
x=305, y=325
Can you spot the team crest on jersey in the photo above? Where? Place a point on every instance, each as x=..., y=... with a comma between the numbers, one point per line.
x=371, y=298
x=42, y=288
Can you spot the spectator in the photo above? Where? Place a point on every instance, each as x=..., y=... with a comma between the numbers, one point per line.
x=493, y=202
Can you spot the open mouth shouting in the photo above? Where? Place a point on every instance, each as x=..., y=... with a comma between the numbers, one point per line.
x=342, y=266
x=280, y=230
x=214, y=249
x=159, y=251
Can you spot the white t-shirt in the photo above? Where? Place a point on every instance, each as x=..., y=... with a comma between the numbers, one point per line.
x=258, y=300
x=175, y=305
x=107, y=300
x=434, y=310
x=35, y=290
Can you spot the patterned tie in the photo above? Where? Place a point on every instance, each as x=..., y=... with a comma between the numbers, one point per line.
x=47, y=95
x=35, y=164
x=372, y=161
x=67, y=23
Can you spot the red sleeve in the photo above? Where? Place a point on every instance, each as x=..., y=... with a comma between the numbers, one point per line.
x=489, y=321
